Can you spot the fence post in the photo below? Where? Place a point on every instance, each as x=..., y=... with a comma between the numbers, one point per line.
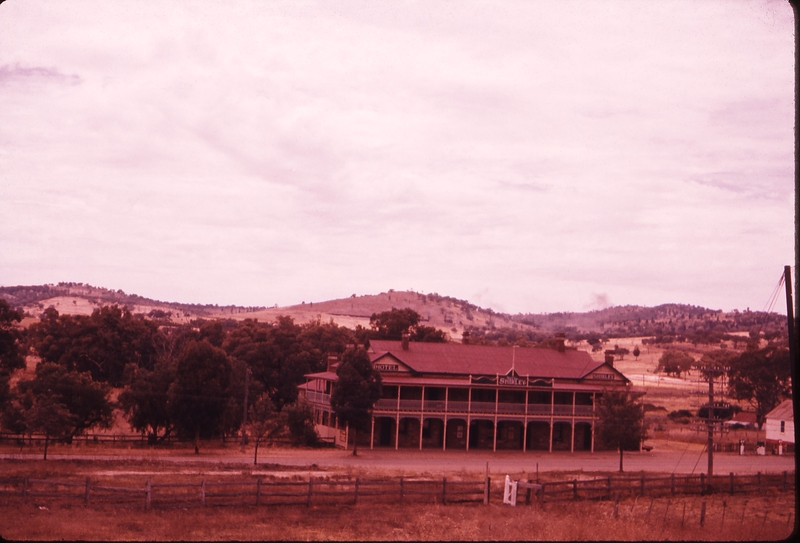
x=683, y=515
x=86, y=492
x=672, y=484
x=702, y=514
x=642, y=490
x=784, y=481
x=669, y=501
x=542, y=491
x=258, y=491
x=759, y=482
x=355, y=493
x=148, y=494
x=616, y=504
x=308, y=499
x=402, y=489
x=732, y=487
x=24, y=488
x=485, y=490
x=608, y=491
x=574, y=489
x=702, y=483
x=528, y=493
x=444, y=490
x=203, y=492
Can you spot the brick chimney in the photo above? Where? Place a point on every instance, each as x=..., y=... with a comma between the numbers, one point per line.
x=333, y=358
x=406, y=337
x=560, y=338
x=610, y=359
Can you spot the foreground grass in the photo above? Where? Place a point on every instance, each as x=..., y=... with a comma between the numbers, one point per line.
x=583, y=520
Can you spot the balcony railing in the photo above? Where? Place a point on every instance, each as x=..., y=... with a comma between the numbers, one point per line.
x=318, y=397
x=440, y=406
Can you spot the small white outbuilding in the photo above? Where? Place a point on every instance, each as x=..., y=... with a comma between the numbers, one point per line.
x=779, y=424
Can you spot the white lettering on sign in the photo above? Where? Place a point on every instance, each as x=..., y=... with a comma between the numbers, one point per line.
x=606, y=376
x=387, y=367
x=511, y=380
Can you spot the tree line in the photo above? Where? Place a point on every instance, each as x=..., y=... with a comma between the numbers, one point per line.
x=185, y=380
x=760, y=376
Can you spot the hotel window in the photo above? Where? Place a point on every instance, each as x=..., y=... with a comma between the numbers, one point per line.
x=783, y=426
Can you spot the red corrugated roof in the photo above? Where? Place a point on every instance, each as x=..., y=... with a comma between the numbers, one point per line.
x=459, y=359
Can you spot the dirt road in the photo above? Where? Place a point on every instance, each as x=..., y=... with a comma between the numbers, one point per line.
x=689, y=460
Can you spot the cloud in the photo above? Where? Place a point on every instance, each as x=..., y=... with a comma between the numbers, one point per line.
x=14, y=73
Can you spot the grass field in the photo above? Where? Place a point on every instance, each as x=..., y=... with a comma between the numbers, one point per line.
x=569, y=521
x=740, y=517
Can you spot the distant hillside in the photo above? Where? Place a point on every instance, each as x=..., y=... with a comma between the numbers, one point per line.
x=668, y=322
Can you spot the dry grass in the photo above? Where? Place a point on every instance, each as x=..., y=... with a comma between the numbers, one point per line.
x=562, y=521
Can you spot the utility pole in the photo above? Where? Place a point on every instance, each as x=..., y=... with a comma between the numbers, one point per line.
x=244, y=416
x=711, y=373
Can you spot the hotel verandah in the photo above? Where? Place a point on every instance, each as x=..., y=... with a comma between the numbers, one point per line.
x=457, y=396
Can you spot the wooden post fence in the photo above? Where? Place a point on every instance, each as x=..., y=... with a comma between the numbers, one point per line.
x=486, y=489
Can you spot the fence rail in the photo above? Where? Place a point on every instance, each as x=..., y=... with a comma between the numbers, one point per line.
x=606, y=487
x=253, y=492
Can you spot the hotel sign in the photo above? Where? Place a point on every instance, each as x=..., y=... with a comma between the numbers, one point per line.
x=604, y=376
x=512, y=380
x=387, y=367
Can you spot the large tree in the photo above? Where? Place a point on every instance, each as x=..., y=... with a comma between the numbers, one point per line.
x=145, y=400
x=85, y=400
x=620, y=423
x=10, y=349
x=762, y=377
x=396, y=322
x=103, y=343
x=200, y=392
x=357, y=388
x=675, y=362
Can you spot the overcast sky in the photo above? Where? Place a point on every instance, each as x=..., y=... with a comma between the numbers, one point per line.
x=528, y=156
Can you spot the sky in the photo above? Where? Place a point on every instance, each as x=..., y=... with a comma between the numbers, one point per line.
x=527, y=156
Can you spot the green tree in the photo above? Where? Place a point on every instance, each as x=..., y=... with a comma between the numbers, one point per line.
x=393, y=324
x=200, y=392
x=761, y=377
x=300, y=420
x=47, y=415
x=145, y=400
x=86, y=401
x=103, y=343
x=10, y=349
x=675, y=362
x=636, y=352
x=264, y=421
x=357, y=388
x=620, y=423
